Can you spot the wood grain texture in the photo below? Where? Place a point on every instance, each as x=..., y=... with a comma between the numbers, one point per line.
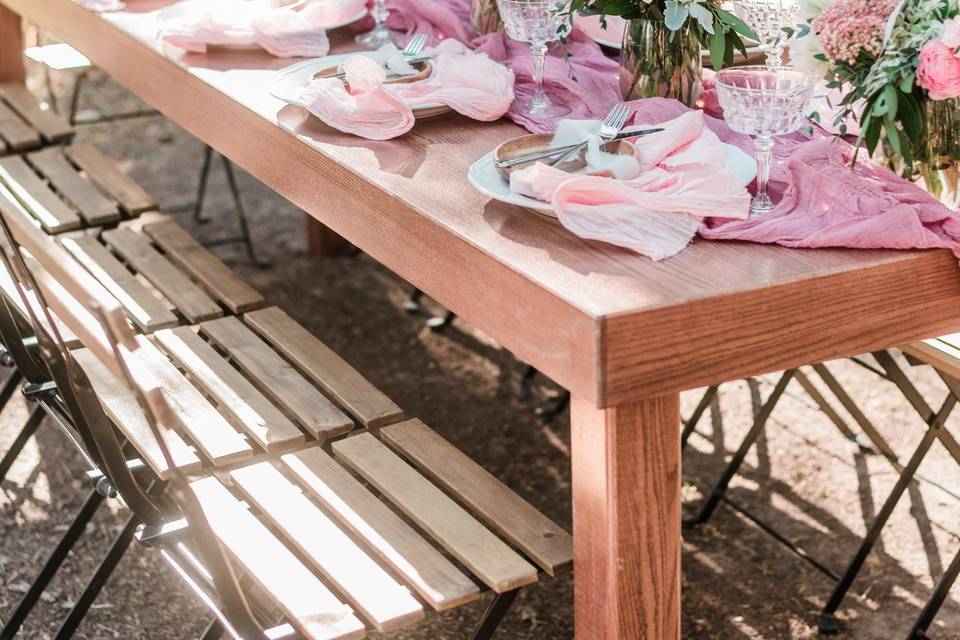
x=385, y=534
x=324, y=367
x=237, y=398
x=15, y=132
x=204, y=267
x=277, y=379
x=626, y=519
x=103, y=172
x=189, y=299
x=51, y=126
x=366, y=586
x=147, y=311
x=93, y=206
x=457, y=531
x=487, y=498
x=11, y=47
x=943, y=353
x=53, y=214
x=311, y=608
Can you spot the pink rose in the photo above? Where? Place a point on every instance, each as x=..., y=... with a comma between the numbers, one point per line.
x=951, y=33
x=939, y=71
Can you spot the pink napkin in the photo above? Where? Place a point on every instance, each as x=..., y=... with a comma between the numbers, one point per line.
x=282, y=32
x=437, y=19
x=470, y=83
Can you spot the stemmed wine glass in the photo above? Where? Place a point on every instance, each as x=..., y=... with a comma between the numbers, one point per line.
x=767, y=18
x=536, y=22
x=380, y=34
x=764, y=102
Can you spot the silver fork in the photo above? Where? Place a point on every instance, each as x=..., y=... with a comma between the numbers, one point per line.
x=411, y=52
x=609, y=128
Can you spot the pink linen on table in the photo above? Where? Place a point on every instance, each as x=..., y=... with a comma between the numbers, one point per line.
x=468, y=82
x=367, y=108
x=437, y=19
x=282, y=32
x=471, y=84
x=592, y=27
x=102, y=5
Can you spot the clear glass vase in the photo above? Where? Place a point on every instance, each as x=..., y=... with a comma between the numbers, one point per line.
x=484, y=16
x=657, y=62
x=941, y=153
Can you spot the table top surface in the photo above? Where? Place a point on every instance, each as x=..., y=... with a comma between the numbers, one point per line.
x=603, y=321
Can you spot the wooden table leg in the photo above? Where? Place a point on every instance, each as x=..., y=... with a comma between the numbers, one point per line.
x=11, y=46
x=626, y=520
x=323, y=240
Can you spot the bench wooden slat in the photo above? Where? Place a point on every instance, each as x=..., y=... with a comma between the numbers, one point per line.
x=277, y=379
x=102, y=171
x=496, y=504
x=324, y=367
x=17, y=134
x=242, y=403
x=310, y=606
x=386, y=535
x=464, y=537
x=208, y=429
x=204, y=267
x=93, y=206
x=188, y=298
x=122, y=407
x=942, y=353
x=366, y=586
x=143, y=307
x=53, y=214
x=50, y=125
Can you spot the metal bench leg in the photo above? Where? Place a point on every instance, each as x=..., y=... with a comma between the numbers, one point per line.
x=526, y=382
x=494, y=615
x=439, y=323
x=241, y=213
x=412, y=305
x=202, y=187
x=694, y=419
x=716, y=494
x=828, y=621
x=103, y=573
x=51, y=566
x=29, y=428
x=214, y=631
x=930, y=610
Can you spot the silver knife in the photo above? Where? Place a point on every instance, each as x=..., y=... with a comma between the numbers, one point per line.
x=537, y=155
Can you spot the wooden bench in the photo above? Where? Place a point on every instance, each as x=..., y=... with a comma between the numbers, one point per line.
x=941, y=353
x=351, y=518
x=24, y=124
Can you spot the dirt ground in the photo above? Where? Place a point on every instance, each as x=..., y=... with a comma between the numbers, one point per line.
x=804, y=478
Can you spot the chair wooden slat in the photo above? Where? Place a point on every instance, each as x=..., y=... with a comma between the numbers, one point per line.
x=386, y=535
x=324, y=367
x=54, y=215
x=50, y=125
x=277, y=379
x=10, y=292
x=122, y=407
x=942, y=353
x=492, y=501
x=147, y=311
x=93, y=206
x=461, y=535
x=366, y=586
x=188, y=298
x=310, y=606
x=208, y=429
x=17, y=134
x=204, y=267
x=238, y=399
x=102, y=171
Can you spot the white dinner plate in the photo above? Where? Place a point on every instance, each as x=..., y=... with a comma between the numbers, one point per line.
x=288, y=83
x=487, y=180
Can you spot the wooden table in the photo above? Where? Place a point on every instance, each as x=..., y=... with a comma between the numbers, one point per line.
x=625, y=335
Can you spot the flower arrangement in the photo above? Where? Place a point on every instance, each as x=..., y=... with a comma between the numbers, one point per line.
x=718, y=30
x=889, y=60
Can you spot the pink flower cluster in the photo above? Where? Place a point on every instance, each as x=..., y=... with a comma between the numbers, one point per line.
x=939, y=68
x=848, y=27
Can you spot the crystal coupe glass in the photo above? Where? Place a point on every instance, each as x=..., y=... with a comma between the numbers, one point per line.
x=536, y=22
x=767, y=18
x=764, y=102
x=380, y=34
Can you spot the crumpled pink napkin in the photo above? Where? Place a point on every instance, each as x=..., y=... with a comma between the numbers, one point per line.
x=659, y=211
x=470, y=83
x=282, y=32
x=437, y=19
x=101, y=6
